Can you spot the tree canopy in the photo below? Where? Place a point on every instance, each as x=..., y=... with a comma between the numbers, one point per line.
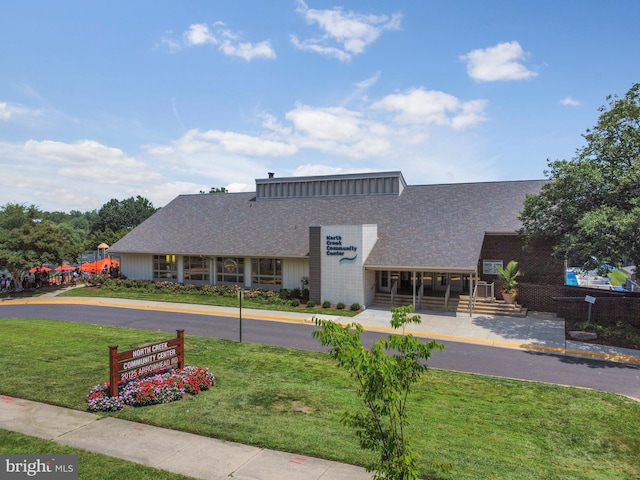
x=216, y=190
x=590, y=209
x=116, y=215
x=31, y=237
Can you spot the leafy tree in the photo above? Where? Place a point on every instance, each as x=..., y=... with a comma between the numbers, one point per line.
x=15, y=215
x=216, y=190
x=108, y=236
x=35, y=244
x=590, y=209
x=383, y=382
x=116, y=215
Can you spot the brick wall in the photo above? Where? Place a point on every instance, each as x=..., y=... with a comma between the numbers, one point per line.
x=537, y=264
x=568, y=302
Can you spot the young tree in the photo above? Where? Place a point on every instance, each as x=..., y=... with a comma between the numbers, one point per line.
x=590, y=210
x=384, y=381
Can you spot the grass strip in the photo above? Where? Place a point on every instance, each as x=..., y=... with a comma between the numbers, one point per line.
x=197, y=299
x=292, y=400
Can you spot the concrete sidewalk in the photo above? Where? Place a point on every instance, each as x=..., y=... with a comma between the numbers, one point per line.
x=537, y=331
x=173, y=451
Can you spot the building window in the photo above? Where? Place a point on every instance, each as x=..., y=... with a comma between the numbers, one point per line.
x=266, y=271
x=490, y=267
x=230, y=270
x=196, y=269
x=165, y=267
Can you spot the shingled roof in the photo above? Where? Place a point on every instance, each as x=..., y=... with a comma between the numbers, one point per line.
x=426, y=227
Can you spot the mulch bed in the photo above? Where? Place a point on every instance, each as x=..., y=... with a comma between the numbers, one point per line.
x=621, y=338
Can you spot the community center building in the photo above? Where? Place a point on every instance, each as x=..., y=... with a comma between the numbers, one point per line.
x=344, y=237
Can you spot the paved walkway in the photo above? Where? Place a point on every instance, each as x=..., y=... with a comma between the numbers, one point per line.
x=178, y=452
x=207, y=458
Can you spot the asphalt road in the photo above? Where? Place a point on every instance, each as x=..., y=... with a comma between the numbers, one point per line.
x=464, y=357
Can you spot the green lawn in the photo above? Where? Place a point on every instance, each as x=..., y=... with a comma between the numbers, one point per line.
x=291, y=400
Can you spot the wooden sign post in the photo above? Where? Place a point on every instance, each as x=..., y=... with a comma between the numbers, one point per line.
x=145, y=360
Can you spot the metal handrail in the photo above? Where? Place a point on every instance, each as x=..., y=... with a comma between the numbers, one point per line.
x=472, y=300
x=447, y=294
x=394, y=290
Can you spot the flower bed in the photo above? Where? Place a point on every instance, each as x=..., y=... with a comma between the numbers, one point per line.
x=161, y=388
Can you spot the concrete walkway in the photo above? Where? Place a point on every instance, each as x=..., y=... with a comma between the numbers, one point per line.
x=207, y=458
x=177, y=452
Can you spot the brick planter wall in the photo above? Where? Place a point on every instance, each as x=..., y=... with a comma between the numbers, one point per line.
x=568, y=302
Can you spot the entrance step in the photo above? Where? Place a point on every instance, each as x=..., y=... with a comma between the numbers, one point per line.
x=491, y=307
x=459, y=305
x=427, y=303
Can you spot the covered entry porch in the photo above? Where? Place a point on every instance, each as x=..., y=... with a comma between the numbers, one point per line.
x=429, y=289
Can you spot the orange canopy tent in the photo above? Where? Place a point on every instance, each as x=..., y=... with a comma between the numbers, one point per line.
x=65, y=267
x=98, y=265
x=42, y=269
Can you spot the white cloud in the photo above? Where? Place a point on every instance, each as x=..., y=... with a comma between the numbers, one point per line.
x=5, y=113
x=72, y=176
x=471, y=113
x=361, y=88
x=247, y=50
x=369, y=82
x=227, y=42
x=500, y=62
x=198, y=34
x=310, y=170
x=241, y=187
x=569, y=101
x=90, y=160
x=312, y=46
x=271, y=123
x=334, y=123
x=169, y=42
x=420, y=106
x=344, y=33
x=416, y=132
x=13, y=112
x=213, y=141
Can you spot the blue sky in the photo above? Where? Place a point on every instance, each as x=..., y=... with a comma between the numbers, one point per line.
x=102, y=100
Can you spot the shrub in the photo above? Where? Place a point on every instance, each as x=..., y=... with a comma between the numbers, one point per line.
x=355, y=307
x=340, y=305
x=295, y=293
x=295, y=302
x=326, y=304
x=97, y=280
x=311, y=304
